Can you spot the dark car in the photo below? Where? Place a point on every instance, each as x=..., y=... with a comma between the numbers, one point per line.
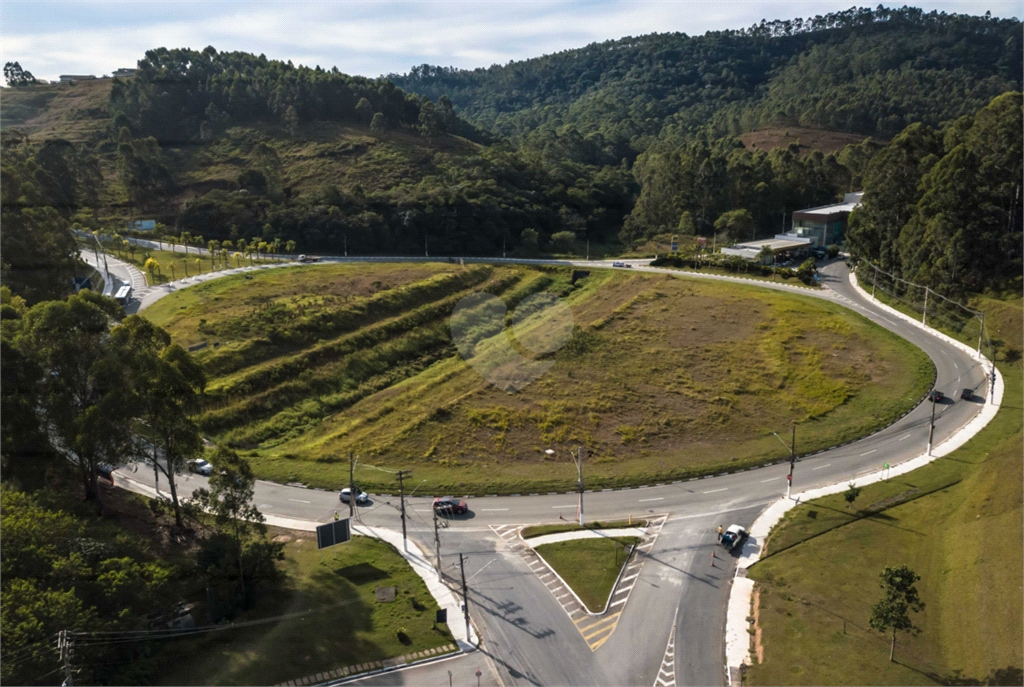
x=967, y=394
x=105, y=470
x=936, y=396
x=450, y=505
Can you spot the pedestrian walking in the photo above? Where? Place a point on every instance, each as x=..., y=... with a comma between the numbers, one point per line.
x=719, y=533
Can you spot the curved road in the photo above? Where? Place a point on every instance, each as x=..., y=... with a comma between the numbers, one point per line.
x=529, y=638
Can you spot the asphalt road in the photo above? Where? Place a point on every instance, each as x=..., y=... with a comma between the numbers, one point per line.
x=529, y=638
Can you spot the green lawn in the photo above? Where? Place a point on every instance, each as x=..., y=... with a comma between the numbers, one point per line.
x=335, y=620
x=540, y=530
x=957, y=522
x=589, y=566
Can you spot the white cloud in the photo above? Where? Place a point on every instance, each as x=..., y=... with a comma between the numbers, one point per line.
x=369, y=38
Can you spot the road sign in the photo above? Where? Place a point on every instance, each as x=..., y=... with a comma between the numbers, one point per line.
x=332, y=533
x=441, y=616
x=675, y=244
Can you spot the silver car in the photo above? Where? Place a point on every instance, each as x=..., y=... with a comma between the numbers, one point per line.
x=361, y=496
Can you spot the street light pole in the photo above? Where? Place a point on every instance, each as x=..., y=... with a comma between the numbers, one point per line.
x=351, y=486
x=579, y=484
x=931, y=428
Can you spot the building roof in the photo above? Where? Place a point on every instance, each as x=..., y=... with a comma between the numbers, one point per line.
x=778, y=243
x=850, y=201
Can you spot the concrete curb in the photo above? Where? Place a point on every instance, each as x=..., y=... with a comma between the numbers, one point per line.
x=737, y=639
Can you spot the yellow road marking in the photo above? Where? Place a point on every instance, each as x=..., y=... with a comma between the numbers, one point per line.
x=604, y=629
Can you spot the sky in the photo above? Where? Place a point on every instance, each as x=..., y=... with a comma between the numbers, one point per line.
x=367, y=38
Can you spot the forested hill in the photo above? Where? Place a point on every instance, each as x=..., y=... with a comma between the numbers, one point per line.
x=861, y=71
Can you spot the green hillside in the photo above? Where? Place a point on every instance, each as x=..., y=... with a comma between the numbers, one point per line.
x=662, y=378
x=860, y=71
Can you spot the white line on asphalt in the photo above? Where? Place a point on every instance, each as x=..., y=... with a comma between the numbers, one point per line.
x=869, y=452
x=720, y=512
x=716, y=490
x=660, y=498
x=620, y=601
x=494, y=509
x=422, y=510
x=771, y=480
x=903, y=437
x=822, y=466
x=572, y=505
x=298, y=500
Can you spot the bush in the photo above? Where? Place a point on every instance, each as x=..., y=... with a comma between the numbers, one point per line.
x=833, y=250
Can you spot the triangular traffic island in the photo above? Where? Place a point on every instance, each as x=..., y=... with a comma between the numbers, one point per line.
x=589, y=566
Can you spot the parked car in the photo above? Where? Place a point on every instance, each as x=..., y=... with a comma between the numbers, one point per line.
x=361, y=496
x=450, y=505
x=936, y=396
x=201, y=466
x=733, y=536
x=967, y=394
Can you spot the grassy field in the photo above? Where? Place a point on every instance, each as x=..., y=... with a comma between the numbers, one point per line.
x=589, y=566
x=808, y=139
x=540, y=530
x=956, y=522
x=662, y=377
x=334, y=620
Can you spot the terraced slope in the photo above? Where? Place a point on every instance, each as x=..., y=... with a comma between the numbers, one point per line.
x=661, y=378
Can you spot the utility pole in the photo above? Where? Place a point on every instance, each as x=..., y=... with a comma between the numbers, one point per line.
x=579, y=484
x=931, y=429
x=426, y=253
x=437, y=543
x=345, y=236
x=351, y=486
x=874, y=279
x=64, y=647
x=924, y=315
x=402, y=474
x=588, y=249
x=792, y=463
x=465, y=594
x=981, y=331
x=503, y=247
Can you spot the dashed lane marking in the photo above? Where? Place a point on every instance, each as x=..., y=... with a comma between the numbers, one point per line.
x=820, y=467
x=715, y=491
x=595, y=629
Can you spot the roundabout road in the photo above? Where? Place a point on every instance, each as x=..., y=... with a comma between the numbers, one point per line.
x=527, y=635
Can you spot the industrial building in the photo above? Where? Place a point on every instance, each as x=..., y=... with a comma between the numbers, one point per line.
x=825, y=225
x=784, y=246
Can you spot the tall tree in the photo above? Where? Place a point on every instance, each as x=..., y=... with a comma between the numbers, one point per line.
x=86, y=402
x=167, y=386
x=900, y=597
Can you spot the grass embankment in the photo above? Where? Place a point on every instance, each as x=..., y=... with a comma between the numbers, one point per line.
x=778, y=279
x=957, y=522
x=663, y=378
x=339, y=623
x=541, y=530
x=589, y=566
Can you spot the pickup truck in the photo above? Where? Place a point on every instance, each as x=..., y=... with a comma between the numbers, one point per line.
x=733, y=537
x=308, y=258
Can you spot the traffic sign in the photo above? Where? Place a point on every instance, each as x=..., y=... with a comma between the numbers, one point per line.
x=441, y=616
x=337, y=532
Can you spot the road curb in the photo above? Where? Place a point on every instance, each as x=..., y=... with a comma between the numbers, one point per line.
x=737, y=639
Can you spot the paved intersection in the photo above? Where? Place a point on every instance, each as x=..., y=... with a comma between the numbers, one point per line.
x=670, y=629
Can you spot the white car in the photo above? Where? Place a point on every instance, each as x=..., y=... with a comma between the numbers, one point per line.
x=201, y=466
x=361, y=496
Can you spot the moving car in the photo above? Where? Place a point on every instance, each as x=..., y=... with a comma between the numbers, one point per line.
x=936, y=396
x=618, y=264
x=201, y=466
x=450, y=505
x=967, y=394
x=733, y=536
x=361, y=496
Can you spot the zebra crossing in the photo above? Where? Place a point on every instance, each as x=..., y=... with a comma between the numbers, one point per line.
x=595, y=628
x=667, y=672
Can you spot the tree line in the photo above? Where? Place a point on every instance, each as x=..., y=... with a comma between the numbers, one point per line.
x=943, y=207
x=866, y=71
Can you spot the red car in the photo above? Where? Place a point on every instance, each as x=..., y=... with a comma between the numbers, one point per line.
x=450, y=505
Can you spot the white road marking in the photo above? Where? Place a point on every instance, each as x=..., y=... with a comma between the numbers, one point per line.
x=903, y=437
x=713, y=491
x=494, y=509
x=822, y=466
x=770, y=480
x=573, y=505
x=870, y=452
x=620, y=601
x=298, y=500
x=660, y=498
